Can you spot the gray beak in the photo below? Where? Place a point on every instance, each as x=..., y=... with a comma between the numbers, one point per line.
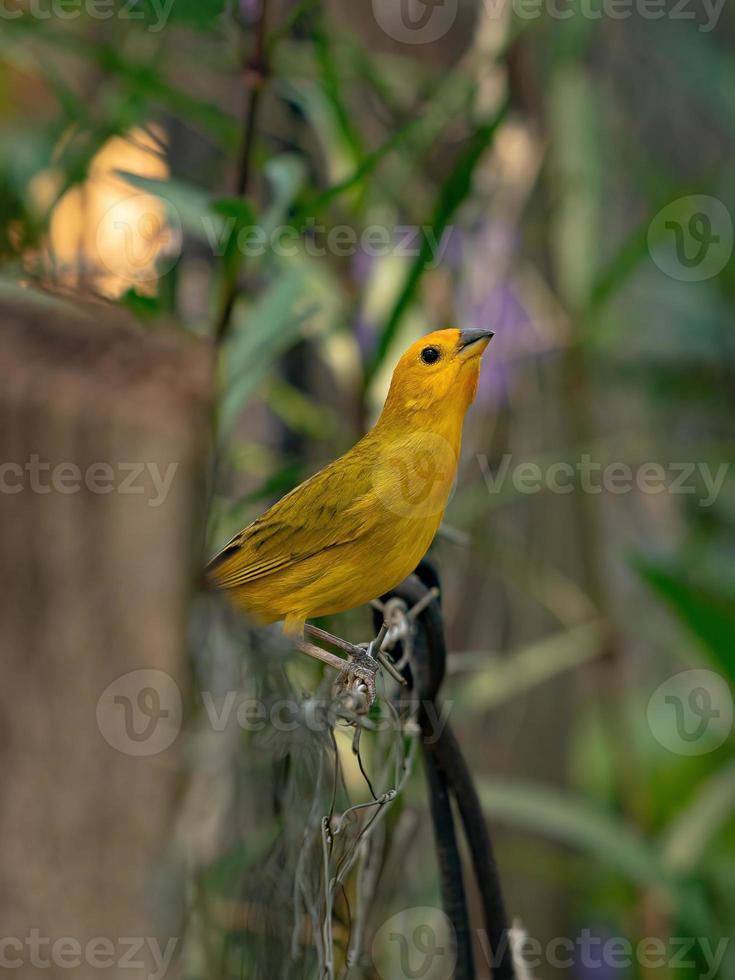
x=467, y=337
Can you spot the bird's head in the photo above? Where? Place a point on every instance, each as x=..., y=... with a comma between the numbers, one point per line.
x=440, y=371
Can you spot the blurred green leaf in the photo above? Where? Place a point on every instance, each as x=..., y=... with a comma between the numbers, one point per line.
x=577, y=165
x=283, y=480
x=507, y=677
x=144, y=307
x=199, y=14
x=607, y=840
x=708, y=614
x=333, y=87
x=696, y=66
x=238, y=215
x=691, y=831
x=13, y=214
x=286, y=175
x=234, y=207
x=142, y=81
x=451, y=195
x=214, y=221
x=575, y=823
x=415, y=134
x=299, y=412
x=316, y=202
x=618, y=270
x=260, y=335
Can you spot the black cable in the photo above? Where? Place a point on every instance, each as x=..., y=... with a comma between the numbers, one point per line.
x=450, y=866
x=447, y=772
x=451, y=761
x=424, y=675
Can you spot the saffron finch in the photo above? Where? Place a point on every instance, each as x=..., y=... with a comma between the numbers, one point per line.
x=358, y=527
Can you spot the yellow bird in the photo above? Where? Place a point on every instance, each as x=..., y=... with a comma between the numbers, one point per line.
x=358, y=527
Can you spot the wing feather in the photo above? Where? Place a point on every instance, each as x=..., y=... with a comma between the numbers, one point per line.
x=320, y=514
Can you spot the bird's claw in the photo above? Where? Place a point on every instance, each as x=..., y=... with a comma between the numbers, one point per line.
x=356, y=683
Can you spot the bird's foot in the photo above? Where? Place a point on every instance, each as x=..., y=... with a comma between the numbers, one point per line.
x=374, y=650
x=356, y=682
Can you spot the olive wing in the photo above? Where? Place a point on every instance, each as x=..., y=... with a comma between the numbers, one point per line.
x=332, y=508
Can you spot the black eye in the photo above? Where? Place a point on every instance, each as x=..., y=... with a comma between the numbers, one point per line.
x=430, y=355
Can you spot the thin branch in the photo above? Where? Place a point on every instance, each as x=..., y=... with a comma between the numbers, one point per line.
x=255, y=75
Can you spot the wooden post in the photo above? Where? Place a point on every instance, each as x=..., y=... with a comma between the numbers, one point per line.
x=103, y=436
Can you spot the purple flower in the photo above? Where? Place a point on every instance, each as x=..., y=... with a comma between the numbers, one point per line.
x=490, y=295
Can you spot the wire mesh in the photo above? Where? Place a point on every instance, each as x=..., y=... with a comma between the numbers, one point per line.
x=286, y=883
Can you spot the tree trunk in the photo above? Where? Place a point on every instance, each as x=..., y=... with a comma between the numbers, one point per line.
x=103, y=431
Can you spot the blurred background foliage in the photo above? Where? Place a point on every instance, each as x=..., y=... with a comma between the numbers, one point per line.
x=533, y=156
